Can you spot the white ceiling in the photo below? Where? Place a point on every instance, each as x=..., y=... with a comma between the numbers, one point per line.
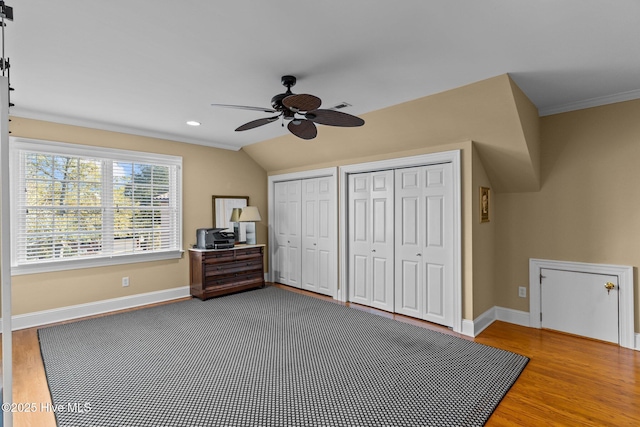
x=147, y=66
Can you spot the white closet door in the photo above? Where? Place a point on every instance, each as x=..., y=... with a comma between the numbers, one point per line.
x=327, y=237
x=318, y=235
x=359, y=238
x=438, y=253
x=409, y=287
x=382, y=244
x=287, y=232
x=424, y=243
x=310, y=235
x=280, y=231
x=371, y=242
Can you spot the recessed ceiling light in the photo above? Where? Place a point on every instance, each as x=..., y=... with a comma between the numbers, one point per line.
x=193, y=123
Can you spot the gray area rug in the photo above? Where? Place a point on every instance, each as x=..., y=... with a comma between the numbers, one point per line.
x=268, y=357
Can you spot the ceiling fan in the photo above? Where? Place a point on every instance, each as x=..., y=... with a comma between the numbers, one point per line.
x=301, y=111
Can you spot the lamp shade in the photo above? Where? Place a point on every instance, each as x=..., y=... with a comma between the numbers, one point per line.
x=235, y=215
x=250, y=214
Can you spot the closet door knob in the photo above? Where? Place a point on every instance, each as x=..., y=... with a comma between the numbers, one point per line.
x=373, y=250
x=418, y=254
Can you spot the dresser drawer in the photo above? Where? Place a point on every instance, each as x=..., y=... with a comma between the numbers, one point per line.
x=220, y=272
x=233, y=267
x=217, y=257
x=248, y=253
x=236, y=278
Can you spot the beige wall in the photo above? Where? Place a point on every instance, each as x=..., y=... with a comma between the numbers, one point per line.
x=206, y=171
x=483, y=242
x=588, y=208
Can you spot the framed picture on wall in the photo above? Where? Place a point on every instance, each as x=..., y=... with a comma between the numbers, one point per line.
x=485, y=200
x=223, y=207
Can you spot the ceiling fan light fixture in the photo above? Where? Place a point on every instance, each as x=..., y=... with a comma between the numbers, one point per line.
x=288, y=115
x=290, y=106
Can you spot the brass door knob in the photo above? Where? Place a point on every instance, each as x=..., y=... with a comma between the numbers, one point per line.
x=608, y=286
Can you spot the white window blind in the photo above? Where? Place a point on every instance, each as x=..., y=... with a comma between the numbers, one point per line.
x=78, y=206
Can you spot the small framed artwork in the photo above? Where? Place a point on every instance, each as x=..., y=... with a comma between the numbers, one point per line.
x=485, y=203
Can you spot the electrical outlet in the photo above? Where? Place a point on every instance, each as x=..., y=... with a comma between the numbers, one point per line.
x=125, y=282
x=522, y=291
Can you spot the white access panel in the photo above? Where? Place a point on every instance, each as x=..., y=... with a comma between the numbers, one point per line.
x=580, y=303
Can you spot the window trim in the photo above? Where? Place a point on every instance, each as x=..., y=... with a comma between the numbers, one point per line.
x=16, y=144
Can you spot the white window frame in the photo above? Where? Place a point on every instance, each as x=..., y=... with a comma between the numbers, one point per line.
x=59, y=148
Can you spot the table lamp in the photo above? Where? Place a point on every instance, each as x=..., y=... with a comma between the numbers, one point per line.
x=250, y=215
x=235, y=218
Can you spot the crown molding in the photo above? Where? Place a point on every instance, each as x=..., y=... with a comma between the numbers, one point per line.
x=65, y=120
x=589, y=103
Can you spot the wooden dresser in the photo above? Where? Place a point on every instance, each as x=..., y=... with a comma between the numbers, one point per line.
x=214, y=272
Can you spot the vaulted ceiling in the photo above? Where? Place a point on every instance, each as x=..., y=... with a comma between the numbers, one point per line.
x=146, y=67
x=493, y=113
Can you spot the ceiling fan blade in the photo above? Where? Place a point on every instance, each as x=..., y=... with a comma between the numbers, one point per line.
x=255, y=123
x=302, y=128
x=333, y=118
x=245, y=107
x=302, y=102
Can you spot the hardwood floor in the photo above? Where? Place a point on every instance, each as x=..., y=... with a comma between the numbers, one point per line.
x=569, y=381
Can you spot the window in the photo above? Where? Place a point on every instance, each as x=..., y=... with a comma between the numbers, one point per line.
x=76, y=206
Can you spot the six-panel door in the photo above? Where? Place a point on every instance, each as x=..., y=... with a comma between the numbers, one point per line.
x=287, y=253
x=424, y=243
x=318, y=234
x=371, y=239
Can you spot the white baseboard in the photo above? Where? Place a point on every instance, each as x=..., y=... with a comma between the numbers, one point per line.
x=480, y=323
x=39, y=318
x=509, y=315
x=467, y=328
x=516, y=317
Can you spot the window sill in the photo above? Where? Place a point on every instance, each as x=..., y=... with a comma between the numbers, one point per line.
x=45, y=267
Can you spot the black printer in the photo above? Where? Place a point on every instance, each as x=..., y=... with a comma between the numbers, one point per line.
x=214, y=238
